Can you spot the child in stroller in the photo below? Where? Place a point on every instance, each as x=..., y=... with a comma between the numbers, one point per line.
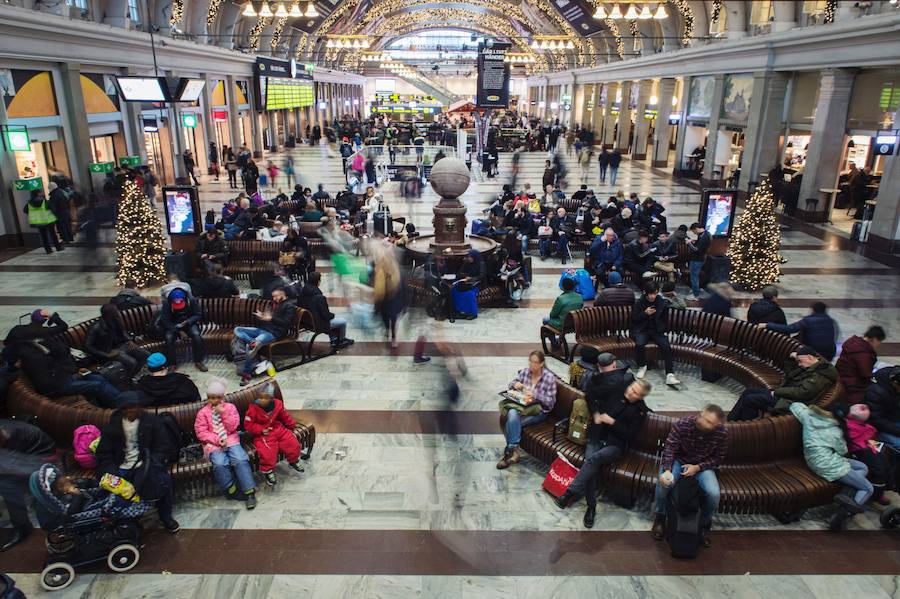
x=85, y=524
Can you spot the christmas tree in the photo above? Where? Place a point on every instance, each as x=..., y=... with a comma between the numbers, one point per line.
x=755, y=244
x=140, y=245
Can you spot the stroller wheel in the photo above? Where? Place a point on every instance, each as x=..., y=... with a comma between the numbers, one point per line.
x=890, y=518
x=123, y=557
x=57, y=575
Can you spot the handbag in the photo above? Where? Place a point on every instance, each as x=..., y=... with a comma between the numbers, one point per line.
x=560, y=476
x=190, y=453
x=287, y=258
x=545, y=231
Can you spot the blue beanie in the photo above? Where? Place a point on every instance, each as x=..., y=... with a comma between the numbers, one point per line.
x=615, y=278
x=156, y=361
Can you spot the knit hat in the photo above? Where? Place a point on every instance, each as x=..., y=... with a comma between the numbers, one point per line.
x=156, y=362
x=859, y=411
x=38, y=316
x=215, y=387
x=614, y=278
x=588, y=357
x=177, y=298
x=807, y=351
x=606, y=359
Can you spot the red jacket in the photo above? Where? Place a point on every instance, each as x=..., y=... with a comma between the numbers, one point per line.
x=257, y=419
x=854, y=367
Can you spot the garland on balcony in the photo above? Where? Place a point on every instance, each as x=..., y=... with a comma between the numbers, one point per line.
x=687, y=15
x=276, y=32
x=830, y=9
x=253, y=36
x=614, y=29
x=716, y=11
x=177, y=12
x=213, y=12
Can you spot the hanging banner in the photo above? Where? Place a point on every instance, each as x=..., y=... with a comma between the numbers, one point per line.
x=493, y=75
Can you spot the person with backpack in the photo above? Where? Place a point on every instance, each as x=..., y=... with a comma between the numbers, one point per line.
x=694, y=448
x=217, y=427
x=616, y=415
x=136, y=446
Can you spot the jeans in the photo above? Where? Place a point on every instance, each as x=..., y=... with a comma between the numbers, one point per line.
x=338, y=330
x=709, y=486
x=251, y=334
x=48, y=237
x=94, y=385
x=613, y=172
x=13, y=490
x=892, y=440
x=641, y=339
x=524, y=244
x=230, y=462
x=232, y=179
x=132, y=358
x=750, y=404
x=515, y=422
x=562, y=246
x=231, y=231
x=196, y=343
x=603, y=172
x=695, y=267
x=856, y=479
x=596, y=454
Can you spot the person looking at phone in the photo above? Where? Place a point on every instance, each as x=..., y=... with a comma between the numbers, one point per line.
x=539, y=385
x=274, y=324
x=694, y=447
x=649, y=322
x=182, y=313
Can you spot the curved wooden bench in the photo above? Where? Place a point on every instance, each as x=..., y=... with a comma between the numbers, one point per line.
x=488, y=295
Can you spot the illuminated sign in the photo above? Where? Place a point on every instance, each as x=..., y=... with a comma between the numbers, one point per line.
x=189, y=120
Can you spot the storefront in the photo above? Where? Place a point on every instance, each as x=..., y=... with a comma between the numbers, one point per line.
x=696, y=126
x=158, y=145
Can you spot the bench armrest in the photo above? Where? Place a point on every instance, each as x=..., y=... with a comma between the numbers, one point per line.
x=558, y=425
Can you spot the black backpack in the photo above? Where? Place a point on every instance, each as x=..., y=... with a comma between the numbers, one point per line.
x=129, y=298
x=175, y=438
x=683, y=518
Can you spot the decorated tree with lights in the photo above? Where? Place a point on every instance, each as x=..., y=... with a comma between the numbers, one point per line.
x=140, y=245
x=756, y=242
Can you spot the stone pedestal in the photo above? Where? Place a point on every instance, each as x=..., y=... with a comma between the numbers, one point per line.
x=449, y=179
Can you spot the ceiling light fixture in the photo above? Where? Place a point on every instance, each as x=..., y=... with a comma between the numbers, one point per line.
x=570, y=45
x=295, y=11
x=661, y=12
x=645, y=13
x=248, y=10
x=600, y=13
x=265, y=11
x=280, y=10
x=632, y=13
x=311, y=11
x=615, y=13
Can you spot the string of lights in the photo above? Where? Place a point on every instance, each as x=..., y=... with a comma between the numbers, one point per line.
x=716, y=11
x=756, y=243
x=277, y=30
x=177, y=12
x=212, y=12
x=140, y=246
x=830, y=10
x=253, y=36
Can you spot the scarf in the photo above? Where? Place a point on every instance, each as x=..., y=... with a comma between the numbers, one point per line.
x=218, y=427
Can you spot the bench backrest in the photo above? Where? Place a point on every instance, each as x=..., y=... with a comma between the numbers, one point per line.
x=253, y=250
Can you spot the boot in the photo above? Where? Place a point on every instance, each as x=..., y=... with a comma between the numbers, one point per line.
x=563, y=501
x=19, y=534
x=504, y=462
x=589, y=515
x=838, y=519
x=659, y=527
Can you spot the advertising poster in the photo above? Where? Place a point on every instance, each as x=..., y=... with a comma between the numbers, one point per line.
x=182, y=210
x=717, y=211
x=736, y=99
x=493, y=75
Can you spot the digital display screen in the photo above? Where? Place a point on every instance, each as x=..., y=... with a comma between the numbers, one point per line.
x=142, y=89
x=181, y=210
x=719, y=207
x=190, y=90
x=288, y=93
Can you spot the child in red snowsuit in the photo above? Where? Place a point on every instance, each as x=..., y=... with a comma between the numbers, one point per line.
x=271, y=427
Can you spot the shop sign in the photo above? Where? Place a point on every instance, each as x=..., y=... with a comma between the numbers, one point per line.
x=674, y=118
x=220, y=116
x=101, y=167
x=189, y=120
x=885, y=143
x=130, y=161
x=15, y=137
x=650, y=113
x=28, y=184
x=614, y=109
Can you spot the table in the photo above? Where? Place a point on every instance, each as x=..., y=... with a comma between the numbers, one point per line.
x=832, y=195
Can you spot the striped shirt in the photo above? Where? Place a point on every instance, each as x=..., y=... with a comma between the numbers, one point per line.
x=689, y=445
x=545, y=390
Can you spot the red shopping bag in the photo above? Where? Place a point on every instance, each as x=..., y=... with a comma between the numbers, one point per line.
x=561, y=475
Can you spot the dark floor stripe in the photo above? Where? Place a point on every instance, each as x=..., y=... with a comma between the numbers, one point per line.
x=57, y=268
x=491, y=553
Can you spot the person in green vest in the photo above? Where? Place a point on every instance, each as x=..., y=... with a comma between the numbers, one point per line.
x=42, y=218
x=567, y=301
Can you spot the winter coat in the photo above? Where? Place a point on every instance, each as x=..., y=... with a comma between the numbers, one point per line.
x=815, y=330
x=168, y=389
x=606, y=253
x=638, y=257
x=27, y=439
x=206, y=434
x=859, y=434
x=717, y=304
x=216, y=249
x=643, y=323
x=614, y=159
x=854, y=367
x=311, y=298
x=152, y=441
x=803, y=385
x=823, y=443
x=191, y=315
x=282, y=318
x=765, y=310
x=565, y=303
x=615, y=295
x=257, y=418
x=884, y=403
x=102, y=337
x=48, y=364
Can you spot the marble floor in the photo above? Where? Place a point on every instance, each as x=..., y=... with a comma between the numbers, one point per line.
x=396, y=504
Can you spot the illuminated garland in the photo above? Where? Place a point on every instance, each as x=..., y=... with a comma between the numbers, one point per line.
x=213, y=12
x=177, y=12
x=633, y=28
x=755, y=246
x=253, y=36
x=687, y=15
x=140, y=246
x=301, y=45
x=276, y=32
x=716, y=11
x=830, y=8
x=614, y=29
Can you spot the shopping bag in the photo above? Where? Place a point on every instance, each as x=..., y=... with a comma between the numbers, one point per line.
x=561, y=475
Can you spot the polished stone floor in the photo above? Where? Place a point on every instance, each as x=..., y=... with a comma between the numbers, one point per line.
x=395, y=464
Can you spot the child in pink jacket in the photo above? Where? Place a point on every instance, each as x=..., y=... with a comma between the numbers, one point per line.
x=862, y=442
x=216, y=427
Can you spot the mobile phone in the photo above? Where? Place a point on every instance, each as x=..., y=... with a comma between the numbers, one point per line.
x=879, y=445
x=684, y=469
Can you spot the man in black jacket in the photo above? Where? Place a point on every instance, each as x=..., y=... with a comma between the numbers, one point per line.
x=274, y=324
x=883, y=399
x=699, y=249
x=215, y=284
x=639, y=257
x=182, y=314
x=211, y=248
x=617, y=414
x=41, y=324
x=767, y=308
x=23, y=449
x=311, y=298
x=649, y=322
x=162, y=387
x=107, y=340
x=133, y=445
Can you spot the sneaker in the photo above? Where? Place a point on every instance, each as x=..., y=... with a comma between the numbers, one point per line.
x=271, y=479
x=201, y=366
x=252, y=348
x=262, y=367
x=250, y=501
x=422, y=360
x=170, y=524
x=640, y=372
x=671, y=379
x=296, y=466
x=245, y=379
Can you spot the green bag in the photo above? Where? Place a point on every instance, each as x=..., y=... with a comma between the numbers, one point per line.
x=578, y=422
x=530, y=410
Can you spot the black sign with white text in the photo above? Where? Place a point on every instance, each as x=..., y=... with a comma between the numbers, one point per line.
x=493, y=75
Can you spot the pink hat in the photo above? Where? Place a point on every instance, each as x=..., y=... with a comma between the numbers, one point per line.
x=859, y=411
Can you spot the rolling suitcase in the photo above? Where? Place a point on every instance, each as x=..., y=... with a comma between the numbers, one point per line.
x=381, y=221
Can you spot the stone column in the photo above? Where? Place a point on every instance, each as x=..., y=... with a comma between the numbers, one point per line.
x=209, y=124
x=712, y=140
x=885, y=232
x=662, y=134
x=597, y=114
x=13, y=222
x=176, y=140
x=255, y=144
x=609, y=119
x=624, y=118
x=641, y=125
x=134, y=130
x=234, y=128
x=683, y=105
x=78, y=134
x=785, y=15
x=587, y=93
x=764, y=127
x=827, y=141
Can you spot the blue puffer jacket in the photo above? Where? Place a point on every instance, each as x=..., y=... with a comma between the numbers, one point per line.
x=603, y=253
x=818, y=331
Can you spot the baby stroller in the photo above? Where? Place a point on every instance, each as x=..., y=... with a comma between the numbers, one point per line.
x=90, y=526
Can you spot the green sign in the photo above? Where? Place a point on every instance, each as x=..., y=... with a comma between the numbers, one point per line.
x=130, y=161
x=101, y=167
x=16, y=138
x=189, y=120
x=28, y=184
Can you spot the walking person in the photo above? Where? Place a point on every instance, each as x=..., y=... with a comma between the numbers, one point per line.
x=190, y=165
x=42, y=218
x=603, y=161
x=614, y=160
x=231, y=166
x=213, y=156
